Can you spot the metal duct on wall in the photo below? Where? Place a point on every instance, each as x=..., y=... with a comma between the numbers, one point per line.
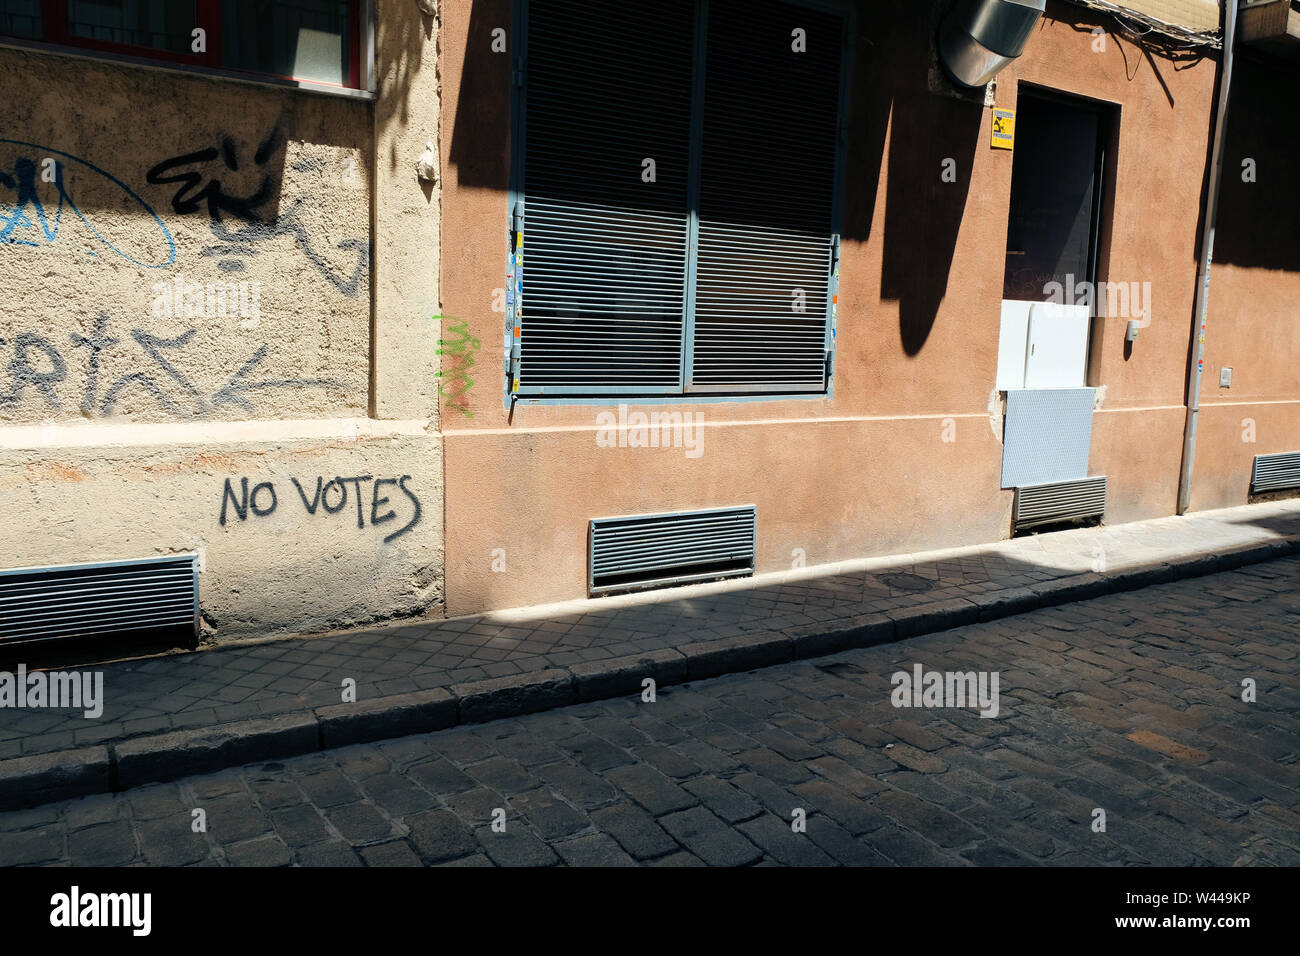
x=980, y=37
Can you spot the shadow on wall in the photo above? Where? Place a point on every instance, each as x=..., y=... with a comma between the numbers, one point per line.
x=891, y=92
x=1258, y=222
x=153, y=209
x=893, y=56
x=122, y=197
x=402, y=35
x=480, y=141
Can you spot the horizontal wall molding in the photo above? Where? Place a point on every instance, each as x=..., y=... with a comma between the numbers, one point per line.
x=1103, y=410
x=712, y=423
x=98, y=435
x=1248, y=402
x=982, y=415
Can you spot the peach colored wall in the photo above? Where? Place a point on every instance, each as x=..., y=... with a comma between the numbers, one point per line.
x=833, y=488
x=1162, y=149
x=866, y=471
x=1254, y=290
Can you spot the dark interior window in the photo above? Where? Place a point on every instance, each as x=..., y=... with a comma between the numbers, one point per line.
x=21, y=18
x=305, y=39
x=314, y=40
x=155, y=24
x=1055, y=183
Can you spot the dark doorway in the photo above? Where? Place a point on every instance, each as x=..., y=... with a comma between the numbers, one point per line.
x=1056, y=181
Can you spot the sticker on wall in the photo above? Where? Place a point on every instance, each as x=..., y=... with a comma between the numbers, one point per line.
x=1004, y=129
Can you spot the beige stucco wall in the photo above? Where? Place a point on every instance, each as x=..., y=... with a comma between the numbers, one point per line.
x=289, y=564
x=407, y=220
x=125, y=409
x=117, y=252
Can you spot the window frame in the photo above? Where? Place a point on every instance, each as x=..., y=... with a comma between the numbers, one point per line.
x=56, y=38
x=516, y=207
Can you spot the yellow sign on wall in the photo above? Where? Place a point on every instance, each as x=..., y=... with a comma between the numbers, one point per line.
x=1004, y=129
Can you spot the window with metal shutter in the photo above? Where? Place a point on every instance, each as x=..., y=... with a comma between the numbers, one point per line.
x=767, y=185
x=712, y=271
x=604, y=250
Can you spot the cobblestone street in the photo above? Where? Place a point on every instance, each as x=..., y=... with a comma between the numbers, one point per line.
x=1131, y=704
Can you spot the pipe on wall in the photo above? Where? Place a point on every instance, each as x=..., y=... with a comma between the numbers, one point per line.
x=1196, y=361
x=979, y=37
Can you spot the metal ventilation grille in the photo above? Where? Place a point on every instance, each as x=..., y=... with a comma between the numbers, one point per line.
x=658, y=550
x=79, y=600
x=767, y=189
x=1275, y=472
x=1059, y=501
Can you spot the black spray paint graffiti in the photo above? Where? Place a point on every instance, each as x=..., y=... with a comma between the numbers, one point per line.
x=195, y=194
x=39, y=366
x=330, y=497
x=463, y=351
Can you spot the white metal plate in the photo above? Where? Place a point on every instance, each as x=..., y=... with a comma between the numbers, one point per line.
x=1048, y=435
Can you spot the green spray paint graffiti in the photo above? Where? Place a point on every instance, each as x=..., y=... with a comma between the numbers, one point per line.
x=454, y=382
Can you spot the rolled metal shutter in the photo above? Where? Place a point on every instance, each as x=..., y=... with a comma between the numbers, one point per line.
x=767, y=186
x=604, y=251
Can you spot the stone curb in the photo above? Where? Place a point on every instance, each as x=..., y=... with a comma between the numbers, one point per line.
x=185, y=752
x=601, y=680
x=386, y=717
x=44, y=778
x=484, y=700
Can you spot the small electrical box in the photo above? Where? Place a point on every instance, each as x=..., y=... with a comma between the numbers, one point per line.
x=1132, y=334
x=1225, y=377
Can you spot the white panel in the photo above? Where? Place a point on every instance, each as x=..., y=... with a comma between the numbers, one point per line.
x=1012, y=344
x=1048, y=435
x=1057, y=346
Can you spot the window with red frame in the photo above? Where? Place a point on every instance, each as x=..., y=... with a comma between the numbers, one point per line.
x=308, y=40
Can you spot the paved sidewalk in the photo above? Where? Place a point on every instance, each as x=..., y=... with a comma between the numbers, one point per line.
x=1130, y=703
x=431, y=674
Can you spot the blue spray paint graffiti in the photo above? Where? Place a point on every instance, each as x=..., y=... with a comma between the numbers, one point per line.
x=27, y=221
